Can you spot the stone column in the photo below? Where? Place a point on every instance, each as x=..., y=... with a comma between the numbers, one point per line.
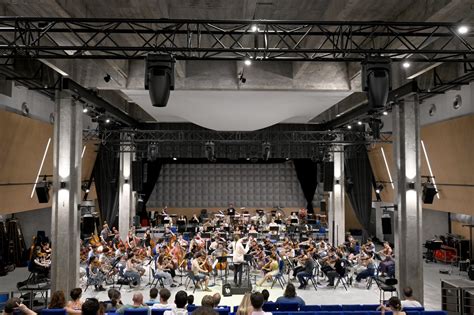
x=336, y=205
x=66, y=193
x=125, y=191
x=408, y=214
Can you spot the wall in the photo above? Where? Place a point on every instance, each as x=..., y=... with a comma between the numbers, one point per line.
x=33, y=221
x=434, y=223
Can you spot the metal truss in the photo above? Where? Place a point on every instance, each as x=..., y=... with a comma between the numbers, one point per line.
x=86, y=38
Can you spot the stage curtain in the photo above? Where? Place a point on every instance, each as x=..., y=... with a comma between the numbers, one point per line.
x=153, y=169
x=106, y=174
x=307, y=173
x=358, y=170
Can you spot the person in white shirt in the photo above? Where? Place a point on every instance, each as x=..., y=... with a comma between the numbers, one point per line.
x=238, y=253
x=165, y=295
x=257, y=300
x=409, y=300
x=180, y=299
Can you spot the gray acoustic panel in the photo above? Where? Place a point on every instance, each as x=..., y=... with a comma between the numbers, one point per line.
x=215, y=185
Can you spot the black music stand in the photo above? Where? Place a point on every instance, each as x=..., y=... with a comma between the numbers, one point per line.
x=274, y=228
x=470, y=226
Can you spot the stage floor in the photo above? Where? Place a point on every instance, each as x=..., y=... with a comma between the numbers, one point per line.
x=324, y=295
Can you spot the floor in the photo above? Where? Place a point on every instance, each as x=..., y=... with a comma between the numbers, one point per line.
x=355, y=295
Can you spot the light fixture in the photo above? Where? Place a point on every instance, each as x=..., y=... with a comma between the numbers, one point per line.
x=107, y=120
x=411, y=185
x=242, y=79
x=463, y=29
x=248, y=62
x=379, y=188
x=254, y=28
x=159, y=78
x=174, y=159
x=85, y=109
x=62, y=185
x=406, y=64
x=349, y=127
x=87, y=190
x=385, y=113
x=359, y=122
x=107, y=78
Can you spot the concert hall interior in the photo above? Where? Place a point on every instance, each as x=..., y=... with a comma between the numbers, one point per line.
x=317, y=151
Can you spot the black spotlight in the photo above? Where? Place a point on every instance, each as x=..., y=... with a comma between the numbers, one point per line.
x=107, y=78
x=159, y=78
x=376, y=80
x=379, y=188
x=42, y=191
x=209, y=151
x=266, y=151
x=375, y=126
x=429, y=192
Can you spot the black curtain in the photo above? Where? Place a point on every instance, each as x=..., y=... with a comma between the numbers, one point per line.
x=152, y=169
x=358, y=174
x=106, y=174
x=307, y=173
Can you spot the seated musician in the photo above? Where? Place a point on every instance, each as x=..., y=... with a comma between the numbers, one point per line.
x=95, y=275
x=329, y=262
x=369, y=247
x=105, y=233
x=161, y=267
x=182, y=241
x=194, y=220
x=338, y=270
x=200, y=274
x=306, y=272
x=294, y=218
x=252, y=230
x=386, y=251
x=168, y=234
x=270, y=270
x=387, y=267
x=131, y=270
x=369, y=270
x=41, y=264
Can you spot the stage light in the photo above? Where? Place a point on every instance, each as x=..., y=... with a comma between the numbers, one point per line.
x=379, y=188
x=174, y=159
x=209, y=151
x=376, y=80
x=254, y=28
x=463, y=29
x=349, y=127
x=107, y=120
x=242, y=79
x=266, y=151
x=359, y=122
x=159, y=78
x=385, y=113
x=107, y=78
x=406, y=64
x=248, y=62
x=429, y=191
x=85, y=109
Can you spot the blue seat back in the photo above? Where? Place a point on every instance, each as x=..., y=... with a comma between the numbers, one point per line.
x=156, y=311
x=352, y=307
x=269, y=307
x=329, y=313
x=311, y=308
x=191, y=308
x=53, y=311
x=223, y=310
x=412, y=312
x=369, y=307
x=136, y=311
x=433, y=313
x=288, y=307
x=409, y=309
x=331, y=308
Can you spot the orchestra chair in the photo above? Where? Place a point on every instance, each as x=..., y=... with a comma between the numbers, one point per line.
x=155, y=311
x=314, y=277
x=288, y=307
x=122, y=279
x=331, y=308
x=280, y=276
x=369, y=307
x=311, y=308
x=433, y=313
x=413, y=309
x=136, y=311
x=352, y=307
x=53, y=311
x=270, y=307
x=4, y=296
x=190, y=278
x=342, y=279
x=386, y=285
x=155, y=280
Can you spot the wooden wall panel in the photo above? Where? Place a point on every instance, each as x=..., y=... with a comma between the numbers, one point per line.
x=22, y=144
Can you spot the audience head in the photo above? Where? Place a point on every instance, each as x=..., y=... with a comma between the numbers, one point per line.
x=190, y=299
x=114, y=296
x=137, y=299
x=408, y=292
x=204, y=310
x=266, y=295
x=290, y=291
x=217, y=299
x=90, y=307
x=58, y=300
x=164, y=295
x=207, y=301
x=76, y=294
x=394, y=303
x=245, y=306
x=153, y=293
x=11, y=305
x=257, y=300
x=181, y=299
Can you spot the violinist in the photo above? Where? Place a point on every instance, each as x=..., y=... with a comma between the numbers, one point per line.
x=95, y=274
x=200, y=274
x=131, y=270
x=105, y=233
x=270, y=270
x=162, y=271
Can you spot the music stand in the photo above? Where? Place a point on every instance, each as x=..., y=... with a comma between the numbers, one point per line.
x=278, y=221
x=274, y=228
x=206, y=235
x=166, y=221
x=254, y=235
x=294, y=221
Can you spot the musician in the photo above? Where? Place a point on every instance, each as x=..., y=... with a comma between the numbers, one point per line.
x=194, y=219
x=369, y=270
x=338, y=270
x=270, y=270
x=369, y=247
x=41, y=264
x=306, y=272
x=131, y=270
x=105, y=233
x=200, y=274
x=386, y=251
x=294, y=217
x=160, y=272
x=238, y=253
x=168, y=234
x=95, y=274
x=231, y=210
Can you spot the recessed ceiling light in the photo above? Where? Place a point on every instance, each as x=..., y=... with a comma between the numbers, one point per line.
x=349, y=127
x=174, y=159
x=385, y=113
x=85, y=110
x=248, y=62
x=463, y=29
x=107, y=120
x=254, y=28
x=406, y=64
x=359, y=122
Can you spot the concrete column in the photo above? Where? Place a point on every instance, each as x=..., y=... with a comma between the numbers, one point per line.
x=336, y=204
x=66, y=193
x=408, y=215
x=125, y=192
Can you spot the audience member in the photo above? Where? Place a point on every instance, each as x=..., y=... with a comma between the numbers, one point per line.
x=165, y=295
x=92, y=307
x=153, y=295
x=217, y=299
x=190, y=300
x=409, y=300
x=180, y=300
x=75, y=305
x=289, y=296
x=245, y=307
x=205, y=311
x=394, y=305
x=14, y=304
x=58, y=300
x=115, y=300
x=257, y=300
x=266, y=295
x=207, y=301
x=137, y=303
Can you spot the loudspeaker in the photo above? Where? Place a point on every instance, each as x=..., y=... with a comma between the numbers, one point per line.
x=429, y=192
x=328, y=176
x=42, y=192
x=137, y=175
x=387, y=226
x=88, y=225
x=227, y=290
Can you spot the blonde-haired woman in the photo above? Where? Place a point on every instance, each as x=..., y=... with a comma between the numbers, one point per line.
x=245, y=307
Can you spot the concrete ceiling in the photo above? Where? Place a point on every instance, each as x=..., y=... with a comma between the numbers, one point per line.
x=211, y=80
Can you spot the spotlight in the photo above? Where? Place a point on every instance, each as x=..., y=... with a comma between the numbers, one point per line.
x=463, y=29
x=349, y=127
x=379, y=188
x=429, y=192
x=248, y=62
x=406, y=64
x=242, y=78
x=209, y=151
x=174, y=159
x=254, y=28
x=385, y=113
x=152, y=152
x=266, y=151
x=376, y=80
x=375, y=125
x=248, y=159
x=107, y=120
x=107, y=78
x=159, y=78
x=359, y=122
